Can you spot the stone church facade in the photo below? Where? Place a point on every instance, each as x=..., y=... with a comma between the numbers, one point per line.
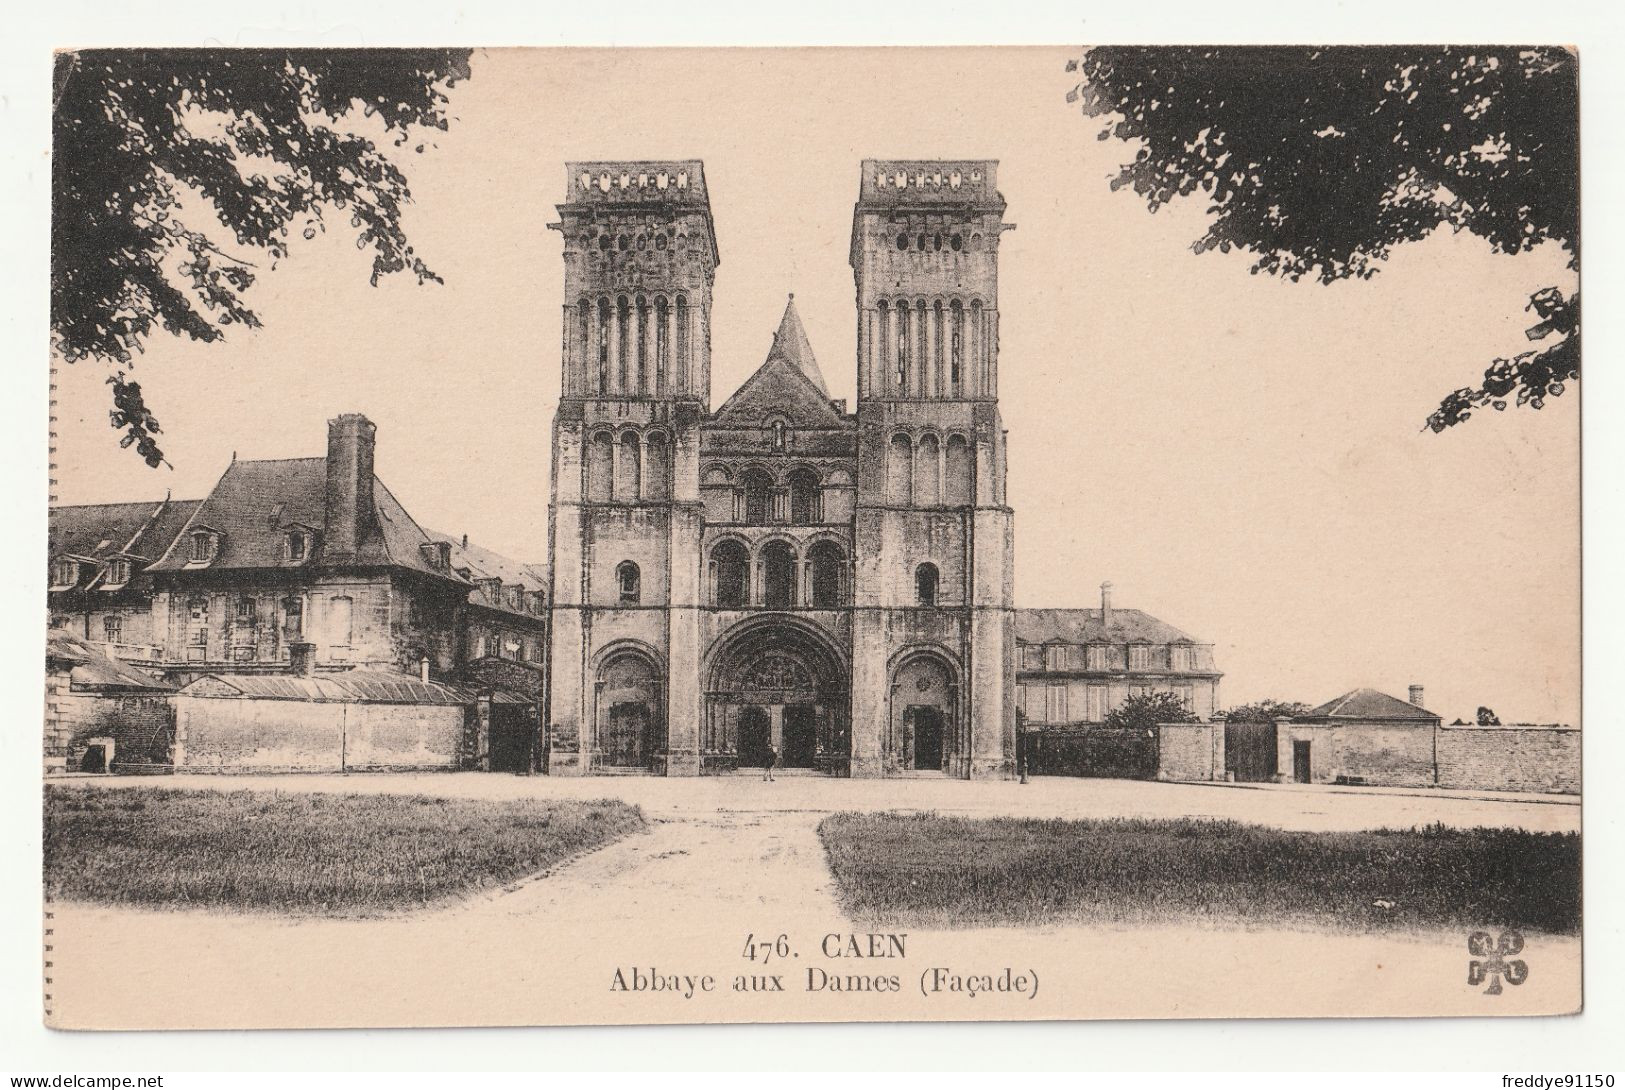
x=784, y=571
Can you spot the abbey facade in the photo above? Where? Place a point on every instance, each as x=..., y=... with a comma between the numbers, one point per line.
x=783, y=571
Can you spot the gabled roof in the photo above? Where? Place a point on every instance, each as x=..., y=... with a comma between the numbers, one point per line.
x=791, y=345
x=255, y=500
x=1086, y=626
x=788, y=383
x=1368, y=704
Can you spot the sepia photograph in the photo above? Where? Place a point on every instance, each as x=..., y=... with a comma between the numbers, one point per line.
x=637, y=536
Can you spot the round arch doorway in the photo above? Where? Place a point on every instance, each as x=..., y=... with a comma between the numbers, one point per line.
x=776, y=682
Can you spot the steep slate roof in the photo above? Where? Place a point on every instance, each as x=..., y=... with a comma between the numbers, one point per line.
x=485, y=564
x=100, y=530
x=254, y=501
x=90, y=669
x=791, y=345
x=1368, y=704
x=1085, y=626
x=352, y=686
x=787, y=382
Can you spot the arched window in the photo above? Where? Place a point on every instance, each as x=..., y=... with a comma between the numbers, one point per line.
x=583, y=339
x=662, y=335
x=778, y=576
x=600, y=467
x=629, y=469
x=758, y=497
x=623, y=323
x=630, y=582
x=959, y=480
x=657, y=469
x=603, y=344
x=927, y=472
x=925, y=584
x=904, y=335
x=642, y=368
x=828, y=575
x=883, y=352
x=805, y=498
x=684, y=362
x=956, y=341
x=899, y=469
x=730, y=575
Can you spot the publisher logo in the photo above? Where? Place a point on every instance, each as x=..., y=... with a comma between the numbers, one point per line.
x=1495, y=958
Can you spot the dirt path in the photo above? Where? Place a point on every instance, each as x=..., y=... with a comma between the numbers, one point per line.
x=726, y=860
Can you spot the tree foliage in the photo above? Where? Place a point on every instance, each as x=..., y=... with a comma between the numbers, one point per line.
x=1145, y=711
x=1266, y=711
x=1318, y=161
x=172, y=170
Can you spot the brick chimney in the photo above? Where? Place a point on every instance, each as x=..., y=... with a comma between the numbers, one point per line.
x=1106, y=603
x=1416, y=695
x=350, y=508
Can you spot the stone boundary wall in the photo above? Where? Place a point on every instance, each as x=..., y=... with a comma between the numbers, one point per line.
x=1529, y=758
x=248, y=735
x=1534, y=758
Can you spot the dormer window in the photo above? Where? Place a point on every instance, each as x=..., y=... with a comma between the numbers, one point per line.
x=65, y=573
x=492, y=589
x=204, y=545
x=297, y=544
x=436, y=554
x=516, y=597
x=118, y=573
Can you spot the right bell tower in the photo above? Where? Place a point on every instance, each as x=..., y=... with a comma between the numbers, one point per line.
x=934, y=583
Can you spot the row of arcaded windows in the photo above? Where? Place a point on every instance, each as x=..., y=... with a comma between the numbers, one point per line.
x=637, y=346
x=628, y=467
x=930, y=472
x=777, y=578
x=933, y=348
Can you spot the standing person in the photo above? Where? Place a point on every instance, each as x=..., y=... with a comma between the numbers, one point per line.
x=770, y=757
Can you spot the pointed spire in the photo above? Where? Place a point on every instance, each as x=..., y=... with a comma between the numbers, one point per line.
x=791, y=345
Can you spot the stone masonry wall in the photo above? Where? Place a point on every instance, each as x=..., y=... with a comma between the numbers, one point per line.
x=1510, y=758
x=238, y=735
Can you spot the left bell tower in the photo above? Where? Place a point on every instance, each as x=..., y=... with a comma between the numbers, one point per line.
x=640, y=259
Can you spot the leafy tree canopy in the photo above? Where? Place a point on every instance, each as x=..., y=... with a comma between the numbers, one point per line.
x=170, y=167
x=1318, y=161
x=1267, y=711
x=1145, y=711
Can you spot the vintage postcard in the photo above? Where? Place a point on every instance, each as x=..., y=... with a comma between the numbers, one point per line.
x=590, y=536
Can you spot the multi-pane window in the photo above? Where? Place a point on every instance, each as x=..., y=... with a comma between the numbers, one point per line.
x=1055, y=703
x=1055, y=657
x=1180, y=658
x=1100, y=656
x=1139, y=656
x=113, y=628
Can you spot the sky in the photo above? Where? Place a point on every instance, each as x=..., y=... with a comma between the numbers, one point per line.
x=1241, y=456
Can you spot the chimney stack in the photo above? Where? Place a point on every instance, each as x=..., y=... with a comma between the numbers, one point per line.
x=1106, y=603
x=350, y=506
x=423, y=669
x=302, y=658
x=1416, y=695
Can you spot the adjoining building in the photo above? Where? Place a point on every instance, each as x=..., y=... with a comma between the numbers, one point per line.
x=1368, y=738
x=310, y=567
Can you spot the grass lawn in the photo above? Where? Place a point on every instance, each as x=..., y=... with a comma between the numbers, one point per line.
x=306, y=853
x=927, y=870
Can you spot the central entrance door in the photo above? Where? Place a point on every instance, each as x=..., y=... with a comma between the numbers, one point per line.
x=800, y=735
x=755, y=735
x=776, y=681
